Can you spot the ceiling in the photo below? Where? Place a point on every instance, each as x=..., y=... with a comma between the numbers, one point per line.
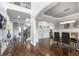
x=23, y=4
x=58, y=12
x=17, y=16
x=62, y=9
x=28, y=4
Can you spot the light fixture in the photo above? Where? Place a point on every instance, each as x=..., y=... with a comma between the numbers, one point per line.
x=24, y=28
x=27, y=19
x=18, y=16
x=67, y=22
x=28, y=24
x=51, y=25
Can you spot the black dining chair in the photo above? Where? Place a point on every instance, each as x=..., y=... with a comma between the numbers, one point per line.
x=74, y=41
x=0, y=47
x=65, y=38
x=57, y=38
x=66, y=42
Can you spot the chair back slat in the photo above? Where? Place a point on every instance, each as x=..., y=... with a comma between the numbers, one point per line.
x=56, y=36
x=65, y=38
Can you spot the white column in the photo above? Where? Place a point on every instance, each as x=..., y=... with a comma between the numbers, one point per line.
x=21, y=25
x=37, y=34
x=21, y=32
x=33, y=32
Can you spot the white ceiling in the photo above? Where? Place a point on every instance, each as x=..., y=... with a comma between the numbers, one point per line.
x=13, y=15
x=28, y=4
x=63, y=9
x=23, y=4
x=59, y=11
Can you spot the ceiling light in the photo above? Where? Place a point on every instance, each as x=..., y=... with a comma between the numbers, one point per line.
x=67, y=9
x=51, y=27
x=18, y=16
x=27, y=19
x=24, y=28
x=28, y=24
x=67, y=22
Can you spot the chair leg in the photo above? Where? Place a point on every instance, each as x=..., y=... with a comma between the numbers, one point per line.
x=57, y=43
x=60, y=49
x=68, y=50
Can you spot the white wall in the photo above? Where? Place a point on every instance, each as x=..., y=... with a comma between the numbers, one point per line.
x=3, y=33
x=15, y=29
x=44, y=31
x=36, y=8
x=3, y=11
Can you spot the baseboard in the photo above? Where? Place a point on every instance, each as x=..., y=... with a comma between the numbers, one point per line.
x=33, y=44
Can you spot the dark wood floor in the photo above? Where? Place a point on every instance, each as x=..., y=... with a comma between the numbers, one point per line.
x=18, y=49
x=42, y=49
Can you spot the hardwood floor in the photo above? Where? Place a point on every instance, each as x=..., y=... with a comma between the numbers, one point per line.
x=18, y=49
x=41, y=49
x=45, y=49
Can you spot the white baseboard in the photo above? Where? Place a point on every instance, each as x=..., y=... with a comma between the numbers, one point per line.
x=34, y=44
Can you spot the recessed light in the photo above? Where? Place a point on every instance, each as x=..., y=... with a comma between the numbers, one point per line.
x=27, y=19
x=18, y=16
x=28, y=24
x=24, y=28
